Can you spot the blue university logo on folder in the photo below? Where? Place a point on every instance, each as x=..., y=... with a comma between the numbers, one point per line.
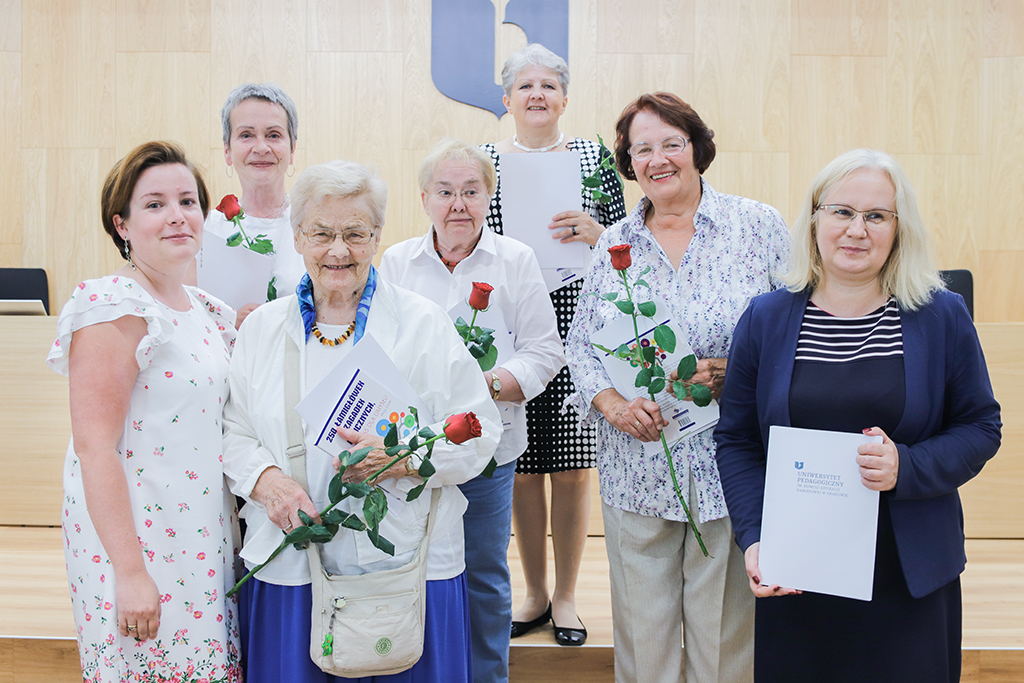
x=799, y=465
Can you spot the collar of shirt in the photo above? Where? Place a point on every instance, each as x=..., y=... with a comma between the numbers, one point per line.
x=485, y=248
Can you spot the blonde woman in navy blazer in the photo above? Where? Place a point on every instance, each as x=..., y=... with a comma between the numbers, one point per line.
x=918, y=378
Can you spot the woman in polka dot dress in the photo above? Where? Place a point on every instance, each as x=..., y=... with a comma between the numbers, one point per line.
x=149, y=527
x=535, y=82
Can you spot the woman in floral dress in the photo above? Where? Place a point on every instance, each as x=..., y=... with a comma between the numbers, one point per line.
x=148, y=526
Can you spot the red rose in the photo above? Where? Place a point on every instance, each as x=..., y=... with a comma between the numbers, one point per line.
x=462, y=427
x=479, y=296
x=620, y=256
x=229, y=206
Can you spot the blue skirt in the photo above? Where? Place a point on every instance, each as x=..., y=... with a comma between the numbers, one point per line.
x=276, y=621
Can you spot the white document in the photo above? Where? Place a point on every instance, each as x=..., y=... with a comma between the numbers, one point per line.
x=504, y=343
x=365, y=392
x=556, y=278
x=819, y=522
x=685, y=418
x=535, y=187
x=235, y=275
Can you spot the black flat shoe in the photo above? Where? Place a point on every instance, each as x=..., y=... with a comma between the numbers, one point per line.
x=521, y=628
x=570, y=636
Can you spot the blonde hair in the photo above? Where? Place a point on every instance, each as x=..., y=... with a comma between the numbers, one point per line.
x=909, y=273
x=449, y=149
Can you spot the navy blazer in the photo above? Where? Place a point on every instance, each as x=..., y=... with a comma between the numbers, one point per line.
x=949, y=429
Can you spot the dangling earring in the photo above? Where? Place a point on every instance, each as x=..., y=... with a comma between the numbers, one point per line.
x=128, y=255
x=229, y=172
x=292, y=171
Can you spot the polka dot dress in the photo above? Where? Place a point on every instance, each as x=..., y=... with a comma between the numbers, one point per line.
x=556, y=443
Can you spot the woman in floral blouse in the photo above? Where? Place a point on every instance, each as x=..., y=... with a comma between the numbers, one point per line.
x=708, y=254
x=149, y=527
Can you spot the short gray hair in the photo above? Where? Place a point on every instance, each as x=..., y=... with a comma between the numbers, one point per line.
x=534, y=54
x=271, y=92
x=338, y=179
x=449, y=149
x=909, y=274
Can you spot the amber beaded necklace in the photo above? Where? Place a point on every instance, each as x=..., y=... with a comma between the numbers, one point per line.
x=337, y=340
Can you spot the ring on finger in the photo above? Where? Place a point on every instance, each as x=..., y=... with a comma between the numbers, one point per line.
x=133, y=627
x=574, y=230
x=289, y=527
x=636, y=425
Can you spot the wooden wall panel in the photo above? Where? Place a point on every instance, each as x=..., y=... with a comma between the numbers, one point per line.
x=10, y=147
x=10, y=25
x=1003, y=28
x=68, y=73
x=164, y=25
x=741, y=72
x=999, y=288
x=934, y=74
x=655, y=27
x=1002, y=146
x=839, y=27
x=144, y=115
x=355, y=25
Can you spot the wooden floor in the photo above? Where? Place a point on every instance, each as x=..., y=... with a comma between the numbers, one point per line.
x=37, y=631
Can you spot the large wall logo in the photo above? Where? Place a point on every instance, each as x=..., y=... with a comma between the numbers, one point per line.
x=462, y=44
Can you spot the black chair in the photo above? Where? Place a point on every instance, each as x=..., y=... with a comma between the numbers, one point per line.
x=25, y=283
x=962, y=282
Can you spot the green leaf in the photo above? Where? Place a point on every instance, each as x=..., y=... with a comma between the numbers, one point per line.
x=625, y=306
x=657, y=385
x=414, y=442
x=375, y=507
x=687, y=366
x=679, y=390
x=272, y=289
x=235, y=240
x=644, y=271
x=306, y=519
x=610, y=296
x=665, y=338
x=358, y=489
x=336, y=489
x=649, y=353
x=391, y=438
x=592, y=181
x=476, y=350
x=700, y=394
x=380, y=542
x=299, y=537
x=488, y=361
x=643, y=378
x=647, y=309
x=640, y=282
x=657, y=370
x=392, y=451
x=486, y=339
x=426, y=468
x=262, y=246
x=321, y=534
x=600, y=196
x=489, y=470
x=415, y=415
x=623, y=351
x=353, y=522
x=334, y=517
x=415, y=492
x=427, y=433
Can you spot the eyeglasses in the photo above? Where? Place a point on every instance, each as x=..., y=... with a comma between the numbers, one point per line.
x=670, y=146
x=447, y=196
x=874, y=219
x=356, y=237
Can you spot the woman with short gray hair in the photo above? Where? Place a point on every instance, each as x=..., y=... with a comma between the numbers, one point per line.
x=260, y=127
x=536, y=83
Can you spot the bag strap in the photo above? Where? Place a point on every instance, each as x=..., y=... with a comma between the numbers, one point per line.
x=297, y=447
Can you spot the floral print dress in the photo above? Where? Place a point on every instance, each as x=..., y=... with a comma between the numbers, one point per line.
x=184, y=517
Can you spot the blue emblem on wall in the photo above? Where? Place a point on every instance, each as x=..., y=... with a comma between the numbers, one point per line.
x=797, y=464
x=462, y=44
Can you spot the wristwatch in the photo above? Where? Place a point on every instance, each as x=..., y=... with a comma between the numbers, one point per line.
x=495, y=386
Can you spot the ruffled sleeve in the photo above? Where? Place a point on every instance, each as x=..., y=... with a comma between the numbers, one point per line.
x=105, y=300
x=223, y=315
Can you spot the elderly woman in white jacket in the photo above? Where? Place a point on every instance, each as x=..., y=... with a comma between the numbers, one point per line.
x=456, y=183
x=337, y=215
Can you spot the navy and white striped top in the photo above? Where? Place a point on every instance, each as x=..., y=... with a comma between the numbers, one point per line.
x=828, y=339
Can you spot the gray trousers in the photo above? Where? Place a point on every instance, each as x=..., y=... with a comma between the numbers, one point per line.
x=660, y=580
